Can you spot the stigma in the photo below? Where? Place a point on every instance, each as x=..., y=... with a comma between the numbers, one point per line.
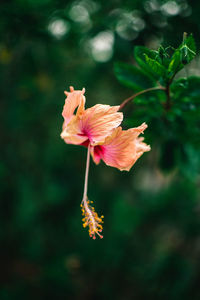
x=91, y=219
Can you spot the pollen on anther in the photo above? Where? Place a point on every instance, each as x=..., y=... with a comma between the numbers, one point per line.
x=91, y=219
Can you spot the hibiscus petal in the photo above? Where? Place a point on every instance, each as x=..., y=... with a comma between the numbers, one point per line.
x=122, y=149
x=72, y=133
x=99, y=121
x=96, y=153
x=74, y=99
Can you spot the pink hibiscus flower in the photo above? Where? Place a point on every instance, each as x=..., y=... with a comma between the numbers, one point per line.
x=97, y=128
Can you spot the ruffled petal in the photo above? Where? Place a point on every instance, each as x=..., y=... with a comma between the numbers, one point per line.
x=72, y=132
x=122, y=149
x=99, y=121
x=74, y=99
x=92, y=125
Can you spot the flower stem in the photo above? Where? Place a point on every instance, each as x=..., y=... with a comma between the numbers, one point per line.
x=140, y=93
x=86, y=174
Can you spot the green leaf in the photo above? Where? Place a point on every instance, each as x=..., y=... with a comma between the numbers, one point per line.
x=139, y=55
x=132, y=77
x=148, y=60
x=187, y=55
x=155, y=66
x=182, y=56
x=190, y=43
x=188, y=49
x=175, y=64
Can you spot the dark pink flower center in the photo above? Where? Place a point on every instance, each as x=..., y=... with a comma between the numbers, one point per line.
x=99, y=151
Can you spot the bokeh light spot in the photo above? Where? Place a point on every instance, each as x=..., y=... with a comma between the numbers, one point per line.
x=129, y=25
x=59, y=28
x=170, y=8
x=102, y=46
x=79, y=13
x=151, y=6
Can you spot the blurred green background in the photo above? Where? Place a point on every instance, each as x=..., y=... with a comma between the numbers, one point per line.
x=151, y=244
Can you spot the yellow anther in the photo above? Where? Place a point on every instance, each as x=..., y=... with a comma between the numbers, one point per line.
x=91, y=219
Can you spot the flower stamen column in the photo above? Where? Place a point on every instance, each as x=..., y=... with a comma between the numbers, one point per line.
x=91, y=218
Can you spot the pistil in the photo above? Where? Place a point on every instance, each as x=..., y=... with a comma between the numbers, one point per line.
x=91, y=218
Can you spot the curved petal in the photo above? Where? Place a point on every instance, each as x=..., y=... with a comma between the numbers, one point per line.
x=99, y=121
x=72, y=133
x=97, y=153
x=74, y=99
x=122, y=149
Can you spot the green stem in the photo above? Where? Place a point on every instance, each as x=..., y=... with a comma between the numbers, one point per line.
x=140, y=93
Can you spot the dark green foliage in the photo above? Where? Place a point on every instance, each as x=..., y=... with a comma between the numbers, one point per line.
x=176, y=111
x=186, y=90
x=132, y=77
